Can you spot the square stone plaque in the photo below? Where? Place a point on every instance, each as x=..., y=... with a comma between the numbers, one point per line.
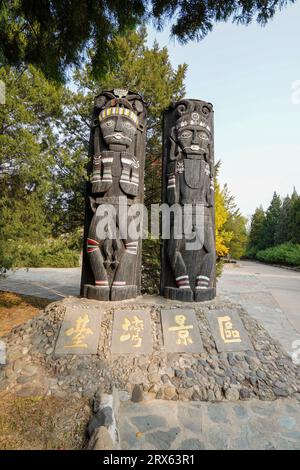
x=80, y=330
x=132, y=332
x=181, y=331
x=228, y=330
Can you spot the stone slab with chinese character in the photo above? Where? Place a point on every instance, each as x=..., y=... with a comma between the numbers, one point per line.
x=228, y=330
x=132, y=332
x=80, y=330
x=180, y=331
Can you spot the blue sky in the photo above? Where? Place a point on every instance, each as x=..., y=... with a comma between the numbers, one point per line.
x=248, y=74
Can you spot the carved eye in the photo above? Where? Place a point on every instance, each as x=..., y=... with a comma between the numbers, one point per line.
x=205, y=110
x=127, y=125
x=186, y=135
x=203, y=136
x=109, y=123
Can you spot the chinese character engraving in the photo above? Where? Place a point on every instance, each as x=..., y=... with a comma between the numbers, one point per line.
x=228, y=334
x=183, y=334
x=79, y=333
x=132, y=330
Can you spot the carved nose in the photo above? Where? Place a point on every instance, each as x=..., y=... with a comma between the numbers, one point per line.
x=195, y=137
x=118, y=127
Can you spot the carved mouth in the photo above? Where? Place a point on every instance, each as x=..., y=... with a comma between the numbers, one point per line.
x=118, y=136
x=195, y=147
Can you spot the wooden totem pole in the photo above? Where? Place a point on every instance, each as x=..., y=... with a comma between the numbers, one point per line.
x=188, y=261
x=112, y=254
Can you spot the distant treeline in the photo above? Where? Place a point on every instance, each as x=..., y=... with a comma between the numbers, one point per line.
x=275, y=233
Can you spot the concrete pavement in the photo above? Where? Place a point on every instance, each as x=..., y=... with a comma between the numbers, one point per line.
x=47, y=283
x=269, y=294
x=166, y=425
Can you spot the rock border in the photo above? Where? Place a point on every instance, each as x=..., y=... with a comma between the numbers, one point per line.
x=102, y=428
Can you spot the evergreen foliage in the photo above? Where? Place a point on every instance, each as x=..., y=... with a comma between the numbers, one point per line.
x=275, y=234
x=56, y=34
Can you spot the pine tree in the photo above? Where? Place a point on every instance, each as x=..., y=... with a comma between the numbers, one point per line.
x=26, y=155
x=256, y=234
x=294, y=218
x=56, y=34
x=271, y=221
x=283, y=232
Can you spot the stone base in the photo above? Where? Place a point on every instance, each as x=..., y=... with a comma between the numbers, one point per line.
x=174, y=293
x=122, y=293
x=168, y=370
x=107, y=293
x=186, y=295
x=96, y=292
x=202, y=295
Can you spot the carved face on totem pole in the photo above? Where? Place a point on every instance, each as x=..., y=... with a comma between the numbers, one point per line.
x=193, y=140
x=192, y=132
x=118, y=125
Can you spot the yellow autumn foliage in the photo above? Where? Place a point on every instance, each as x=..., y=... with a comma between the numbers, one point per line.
x=223, y=236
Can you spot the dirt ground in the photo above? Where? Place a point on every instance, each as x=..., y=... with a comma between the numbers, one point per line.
x=37, y=423
x=16, y=309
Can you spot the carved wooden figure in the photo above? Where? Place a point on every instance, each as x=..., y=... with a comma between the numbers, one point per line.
x=188, y=261
x=112, y=256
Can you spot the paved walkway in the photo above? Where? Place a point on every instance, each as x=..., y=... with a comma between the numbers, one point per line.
x=269, y=294
x=165, y=425
x=47, y=283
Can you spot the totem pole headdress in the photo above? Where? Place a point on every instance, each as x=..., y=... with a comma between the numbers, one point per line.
x=121, y=102
x=118, y=111
x=193, y=114
x=190, y=113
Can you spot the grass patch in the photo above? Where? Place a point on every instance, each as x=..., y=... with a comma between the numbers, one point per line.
x=42, y=423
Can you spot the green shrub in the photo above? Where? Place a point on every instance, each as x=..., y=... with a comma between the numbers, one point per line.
x=251, y=252
x=287, y=254
x=51, y=253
